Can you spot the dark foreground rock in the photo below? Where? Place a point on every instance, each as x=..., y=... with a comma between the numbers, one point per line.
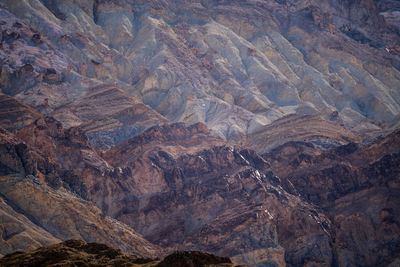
x=72, y=253
x=80, y=253
x=193, y=259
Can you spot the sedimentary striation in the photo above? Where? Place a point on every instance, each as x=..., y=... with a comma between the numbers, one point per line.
x=234, y=66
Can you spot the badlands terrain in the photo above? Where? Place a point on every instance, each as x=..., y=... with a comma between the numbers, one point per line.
x=265, y=132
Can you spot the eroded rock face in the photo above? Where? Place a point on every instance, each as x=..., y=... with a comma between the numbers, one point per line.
x=221, y=195
x=183, y=187
x=234, y=66
x=310, y=129
x=357, y=186
x=325, y=174
x=20, y=233
x=15, y=115
x=32, y=189
x=157, y=113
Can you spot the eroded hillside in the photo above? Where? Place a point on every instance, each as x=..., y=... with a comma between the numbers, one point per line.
x=263, y=131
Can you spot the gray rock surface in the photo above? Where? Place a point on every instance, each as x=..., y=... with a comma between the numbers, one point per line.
x=235, y=67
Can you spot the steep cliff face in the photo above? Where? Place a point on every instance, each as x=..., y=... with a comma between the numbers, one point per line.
x=266, y=131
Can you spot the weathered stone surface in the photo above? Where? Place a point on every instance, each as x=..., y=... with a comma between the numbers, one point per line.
x=18, y=232
x=157, y=111
x=301, y=128
x=235, y=67
x=53, y=212
x=220, y=195
x=357, y=186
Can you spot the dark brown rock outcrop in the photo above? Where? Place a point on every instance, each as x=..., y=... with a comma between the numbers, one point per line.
x=221, y=195
x=70, y=253
x=357, y=186
x=80, y=253
x=193, y=258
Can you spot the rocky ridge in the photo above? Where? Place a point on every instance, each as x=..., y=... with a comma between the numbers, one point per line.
x=75, y=252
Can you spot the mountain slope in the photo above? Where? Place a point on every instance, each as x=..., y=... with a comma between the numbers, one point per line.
x=265, y=131
x=45, y=212
x=233, y=66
